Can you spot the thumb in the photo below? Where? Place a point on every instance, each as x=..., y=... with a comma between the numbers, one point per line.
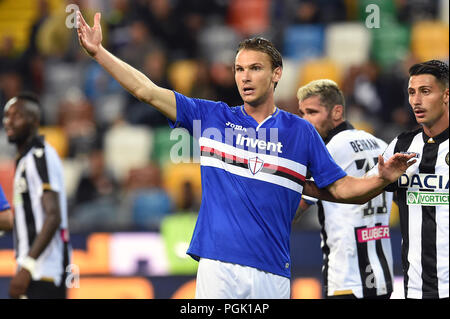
x=97, y=18
x=380, y=161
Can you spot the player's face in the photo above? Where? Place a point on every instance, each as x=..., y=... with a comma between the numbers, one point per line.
x=17, y=123
x=254, y=76
x=427, y=98
x=315, y=113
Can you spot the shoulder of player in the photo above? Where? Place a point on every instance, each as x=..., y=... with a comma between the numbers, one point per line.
x=409, y=134
x=292, y=120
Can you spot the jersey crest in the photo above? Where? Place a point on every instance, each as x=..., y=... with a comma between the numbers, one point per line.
x=255, y=164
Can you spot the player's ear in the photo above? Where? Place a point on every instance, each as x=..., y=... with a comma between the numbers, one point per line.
x=276, y=74
x=446, y=96
x=337, y=113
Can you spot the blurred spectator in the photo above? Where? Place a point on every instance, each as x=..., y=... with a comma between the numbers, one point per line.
x=360, y=88
x=165, y=25
x=8, y=55
x=189, y=201
x=95, y=204
x=76, y=117
x=140, y=44
x=318, y=11
x=223, y=83
x=11, y=84
x=137, y=112
x=145, y=199
x=249, y=17
x=410, y=11
x=119, y=17
x=96, y=181
x=105, y=93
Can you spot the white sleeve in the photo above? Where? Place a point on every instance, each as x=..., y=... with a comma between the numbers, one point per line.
x=387, y=154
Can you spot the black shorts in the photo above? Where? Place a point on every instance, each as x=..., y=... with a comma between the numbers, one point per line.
x=46, y=290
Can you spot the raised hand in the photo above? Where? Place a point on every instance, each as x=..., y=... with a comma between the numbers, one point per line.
x=90, y=38
x=392, y=169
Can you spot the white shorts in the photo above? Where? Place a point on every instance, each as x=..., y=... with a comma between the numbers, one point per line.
x=222, y=280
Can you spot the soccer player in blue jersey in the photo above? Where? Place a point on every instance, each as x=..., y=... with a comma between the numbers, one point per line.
x=253, y=160
x=6, y=219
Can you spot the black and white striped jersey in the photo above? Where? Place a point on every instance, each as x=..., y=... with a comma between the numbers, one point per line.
x=39, y=169
x=355, y=238
x=423, y=194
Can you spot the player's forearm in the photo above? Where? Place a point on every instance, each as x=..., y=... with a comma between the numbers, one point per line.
x=356, y=190
x=49, y=228
x=137, y=83
x=6, y=222
x=51, y=224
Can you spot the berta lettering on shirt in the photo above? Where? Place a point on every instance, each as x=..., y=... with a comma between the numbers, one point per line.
x=372, y=233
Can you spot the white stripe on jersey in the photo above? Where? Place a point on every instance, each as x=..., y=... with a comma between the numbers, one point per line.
x=245, y=172
x=275, y=160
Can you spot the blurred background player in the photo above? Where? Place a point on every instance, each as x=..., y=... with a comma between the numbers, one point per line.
x=6, y=218
x=40, y=220
x=423, y=191
x=355, y=238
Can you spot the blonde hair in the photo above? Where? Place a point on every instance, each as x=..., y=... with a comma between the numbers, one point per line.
x=328, y=90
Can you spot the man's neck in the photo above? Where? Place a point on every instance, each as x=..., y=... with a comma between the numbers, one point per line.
x=260, y=112
x=438, y=127
x=23, y=145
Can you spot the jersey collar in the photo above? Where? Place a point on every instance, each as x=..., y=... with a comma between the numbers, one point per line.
x=252, y=120
x=37, y=141
x=338, y=129
x=437, y=139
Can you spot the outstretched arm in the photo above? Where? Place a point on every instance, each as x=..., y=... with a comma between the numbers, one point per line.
x=6, y=220
x=354, y=190
x=131, y=79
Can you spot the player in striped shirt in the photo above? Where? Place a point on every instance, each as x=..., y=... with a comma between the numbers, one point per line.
x=355, y=238
x=40, y=210
x=423, y=191
x=253, y=160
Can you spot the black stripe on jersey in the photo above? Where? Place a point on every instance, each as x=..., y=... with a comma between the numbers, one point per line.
x=241, y=164
x=29, y=216
x=404, y=141
x=66, y=260
x=325, y=248
x=41, y=165
x=384, y=263
x=429, y=259
x=365, y=269
x=283, y=174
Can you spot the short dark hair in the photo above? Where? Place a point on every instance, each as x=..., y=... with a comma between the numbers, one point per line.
x=263, y=45
x=31, y=103
x=28, y=96
x=436, y=68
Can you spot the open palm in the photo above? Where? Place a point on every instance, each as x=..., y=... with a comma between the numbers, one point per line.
x=395, y=166
x=90, y=38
